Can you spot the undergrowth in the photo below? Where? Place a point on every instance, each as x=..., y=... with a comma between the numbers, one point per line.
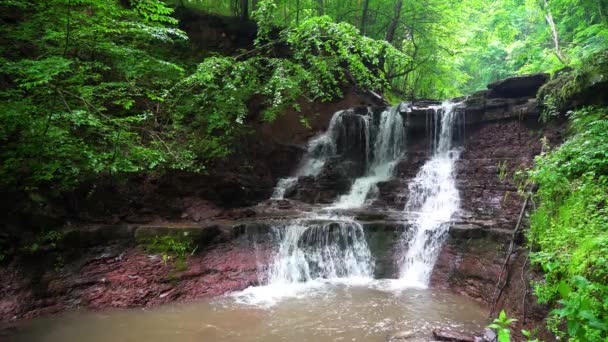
x=569, y=229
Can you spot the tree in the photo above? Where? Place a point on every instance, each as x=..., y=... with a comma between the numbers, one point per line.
x=390, y=33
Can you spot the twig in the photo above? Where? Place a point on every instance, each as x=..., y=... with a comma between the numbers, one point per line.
x=525, y=282
x=500, y=287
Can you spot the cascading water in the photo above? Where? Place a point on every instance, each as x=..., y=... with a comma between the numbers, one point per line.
x=328, y=250
x=388, y=147
x=347, y=131
x=312, y=253
x=375, y=141
x=320, y=249
x=317, y=250
x=433, y=199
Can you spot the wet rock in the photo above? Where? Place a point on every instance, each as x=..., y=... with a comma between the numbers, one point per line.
x=489, y=335
x=467, y=231
x=520, y=86
x=7, y=331
x=370, y=215
x=130, y=279
x=452, y=336
x=335, y=179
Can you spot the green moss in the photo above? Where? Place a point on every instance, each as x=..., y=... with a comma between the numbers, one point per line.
x=557, y=95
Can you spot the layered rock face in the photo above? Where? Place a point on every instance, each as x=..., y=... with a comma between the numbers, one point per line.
x=498, y=132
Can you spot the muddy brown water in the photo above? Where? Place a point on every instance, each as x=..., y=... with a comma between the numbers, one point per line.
x=330, y=312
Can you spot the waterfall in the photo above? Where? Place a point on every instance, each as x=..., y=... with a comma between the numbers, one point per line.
x=320, y=250
x=317, y=250
x=347, y=135
x=376, y=142
x=310, y=253
x=433, y=199
x=388, y=147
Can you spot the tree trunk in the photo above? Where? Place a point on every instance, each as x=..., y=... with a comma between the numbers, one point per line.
x=554, y=33
x=297, y=12
x=254, y=5
x=244, y=10
x=390, y=33
x=320, y=7
x=364, y=17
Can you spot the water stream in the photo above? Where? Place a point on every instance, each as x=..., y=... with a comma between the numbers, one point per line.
x=347, y=134
x=375, y=141
x=311, y=253
x=388, y=148
x=432, y=200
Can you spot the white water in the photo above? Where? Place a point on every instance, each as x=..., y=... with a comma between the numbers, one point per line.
x=320, y=149
x=314, y=252
x=310, y=254
x=433, y=199
x=383, y=145
x=388, y=148
x=283, y=185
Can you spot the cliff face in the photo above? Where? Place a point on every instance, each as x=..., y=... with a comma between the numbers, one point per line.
x=104, y=267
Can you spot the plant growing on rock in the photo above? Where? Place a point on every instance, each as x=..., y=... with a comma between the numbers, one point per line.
x=502, y=326
x=568, y=234
x=171, y=248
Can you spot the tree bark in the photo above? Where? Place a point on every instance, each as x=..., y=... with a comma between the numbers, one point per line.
x=364, y=17
x=554, y=33
x=244, y=10
x=297, y=12
x=390, y=33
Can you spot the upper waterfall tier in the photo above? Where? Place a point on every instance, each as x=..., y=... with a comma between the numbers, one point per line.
x=361, y=144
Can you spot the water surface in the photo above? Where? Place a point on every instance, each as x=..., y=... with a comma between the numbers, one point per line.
x=326, y=312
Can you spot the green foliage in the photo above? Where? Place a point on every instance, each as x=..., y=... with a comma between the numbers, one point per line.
x=455, y=47
x=99, y=93
x=170, y=246
x=558, y=93
x=529, y=335
x=510, y=37
x=323, y=55
x=49, y=240
x=49, y=243
x=502, y=170
x=502, y=326
x=569, y=228
x=86, y=98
